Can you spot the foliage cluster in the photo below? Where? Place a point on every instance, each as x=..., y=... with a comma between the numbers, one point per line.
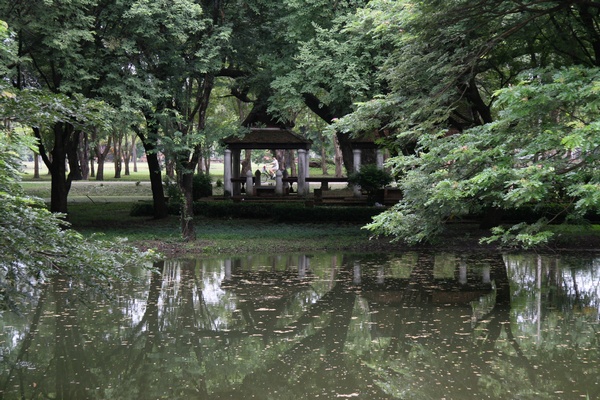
x=491, y=106
x=202, y=186
x=38, y=245
x=370, y=178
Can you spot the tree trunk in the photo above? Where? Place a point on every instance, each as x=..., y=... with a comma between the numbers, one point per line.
x=187, y=164
x=186, y=183
x=134, y=154
x=117, y=153
x=36, y=165
x=323, y=156
x=247, y=162
x=101, y=154
x=72, y=149
x=118, y=168
x=128, y=152
x=92, y=169
x=126, y=160
x=169, y=168
x=207, y=165
x=338, y=158
x=158, y=194
x=56, y=163
x=83, y=154
x=100, y=170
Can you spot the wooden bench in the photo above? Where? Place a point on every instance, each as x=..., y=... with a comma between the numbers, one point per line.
x=264, y=190
x=240, y=180
x=326, y=180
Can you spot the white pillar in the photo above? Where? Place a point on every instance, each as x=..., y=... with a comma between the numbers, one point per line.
x=462, y=273
x=228, y=268
x=278, y=183
x=357, y=154
x=379, y=159
x=235, y=171
x=381, y=275
x=302, y=266
x=306, y=173
x=249, y=184
x=356, y=276
x=486, y=276
x=228, y=187
x=301, y=172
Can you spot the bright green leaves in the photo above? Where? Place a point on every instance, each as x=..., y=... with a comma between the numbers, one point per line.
x=542, y=150
x=530, y=186
x=181, y=19
x=43, y=109
x=587, y=195
x=521, y=235
x=336, y=59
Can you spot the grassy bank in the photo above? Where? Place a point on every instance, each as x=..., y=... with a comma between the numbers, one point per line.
x=228, y=235
x=220, y=235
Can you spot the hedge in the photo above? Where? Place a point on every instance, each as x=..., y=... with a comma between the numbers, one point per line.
x=281, y=212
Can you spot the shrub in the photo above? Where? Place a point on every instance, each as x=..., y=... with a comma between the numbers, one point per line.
x=172, y=191
x=370, y=179
x=296, y=212
x=146, y=209
x=202, y=186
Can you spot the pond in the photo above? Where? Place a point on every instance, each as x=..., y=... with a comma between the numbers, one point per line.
x=317, y=326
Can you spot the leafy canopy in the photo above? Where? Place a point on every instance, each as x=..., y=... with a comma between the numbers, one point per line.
x=488, y=111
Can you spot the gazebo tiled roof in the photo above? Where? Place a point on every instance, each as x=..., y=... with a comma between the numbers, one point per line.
x=268, y=138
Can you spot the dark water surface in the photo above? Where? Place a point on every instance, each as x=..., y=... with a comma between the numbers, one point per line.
x=319, y=326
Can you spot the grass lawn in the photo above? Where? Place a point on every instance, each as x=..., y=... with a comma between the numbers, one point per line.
x=128, y=188
x=218, y=236
x=216, y=171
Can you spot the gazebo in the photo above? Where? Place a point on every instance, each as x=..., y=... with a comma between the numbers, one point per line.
x=366, y=141
x=263, y=139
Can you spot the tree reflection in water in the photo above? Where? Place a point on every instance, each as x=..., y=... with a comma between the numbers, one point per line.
x=375, y=326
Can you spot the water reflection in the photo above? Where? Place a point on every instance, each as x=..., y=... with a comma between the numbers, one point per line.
x=329, y=326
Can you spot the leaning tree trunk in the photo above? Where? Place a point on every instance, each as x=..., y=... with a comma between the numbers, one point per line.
x=186, y=164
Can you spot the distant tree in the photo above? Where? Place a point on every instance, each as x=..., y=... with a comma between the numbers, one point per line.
x=54, y=45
